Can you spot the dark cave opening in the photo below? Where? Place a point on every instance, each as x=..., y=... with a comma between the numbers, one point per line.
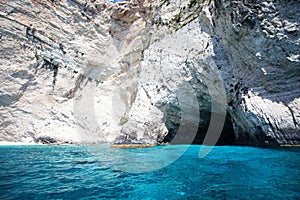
x=226, y=137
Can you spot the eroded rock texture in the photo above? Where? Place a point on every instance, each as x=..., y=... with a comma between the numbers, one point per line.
x=150, y=71
x=261, y=39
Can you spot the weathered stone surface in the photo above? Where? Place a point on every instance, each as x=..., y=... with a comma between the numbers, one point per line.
x=150, y=71
x=62, y=63
x=261, y=39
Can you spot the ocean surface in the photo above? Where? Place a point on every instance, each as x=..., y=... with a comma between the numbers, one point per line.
x=100, y=172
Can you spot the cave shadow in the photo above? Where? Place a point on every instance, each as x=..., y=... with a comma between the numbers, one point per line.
x=226, y=137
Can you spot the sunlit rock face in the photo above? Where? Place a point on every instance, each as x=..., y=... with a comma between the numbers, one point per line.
x=150, y=71
x=62, y=64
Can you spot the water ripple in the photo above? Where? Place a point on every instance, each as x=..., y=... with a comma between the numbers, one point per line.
x=72, y=172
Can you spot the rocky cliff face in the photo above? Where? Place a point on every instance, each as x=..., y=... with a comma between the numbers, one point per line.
x=261, y=39
x=150, y=71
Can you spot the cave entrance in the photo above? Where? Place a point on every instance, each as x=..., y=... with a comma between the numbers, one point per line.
x=226, y=137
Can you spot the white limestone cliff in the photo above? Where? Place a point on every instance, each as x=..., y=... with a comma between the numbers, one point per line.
x=141, y=71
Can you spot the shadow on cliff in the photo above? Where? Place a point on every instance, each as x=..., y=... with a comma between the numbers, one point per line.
x=270, y=71
x=173, y=123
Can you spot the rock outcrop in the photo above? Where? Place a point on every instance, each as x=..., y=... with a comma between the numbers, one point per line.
x=147, y=72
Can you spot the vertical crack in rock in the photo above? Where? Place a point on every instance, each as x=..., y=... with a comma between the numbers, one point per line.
x=293, y=116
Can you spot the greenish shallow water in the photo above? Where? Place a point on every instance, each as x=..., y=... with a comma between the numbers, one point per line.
x=99, y=172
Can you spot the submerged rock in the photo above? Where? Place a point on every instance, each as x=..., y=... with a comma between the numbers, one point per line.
x=147, y=72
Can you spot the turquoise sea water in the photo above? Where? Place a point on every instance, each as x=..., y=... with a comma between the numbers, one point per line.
x=99, y=172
